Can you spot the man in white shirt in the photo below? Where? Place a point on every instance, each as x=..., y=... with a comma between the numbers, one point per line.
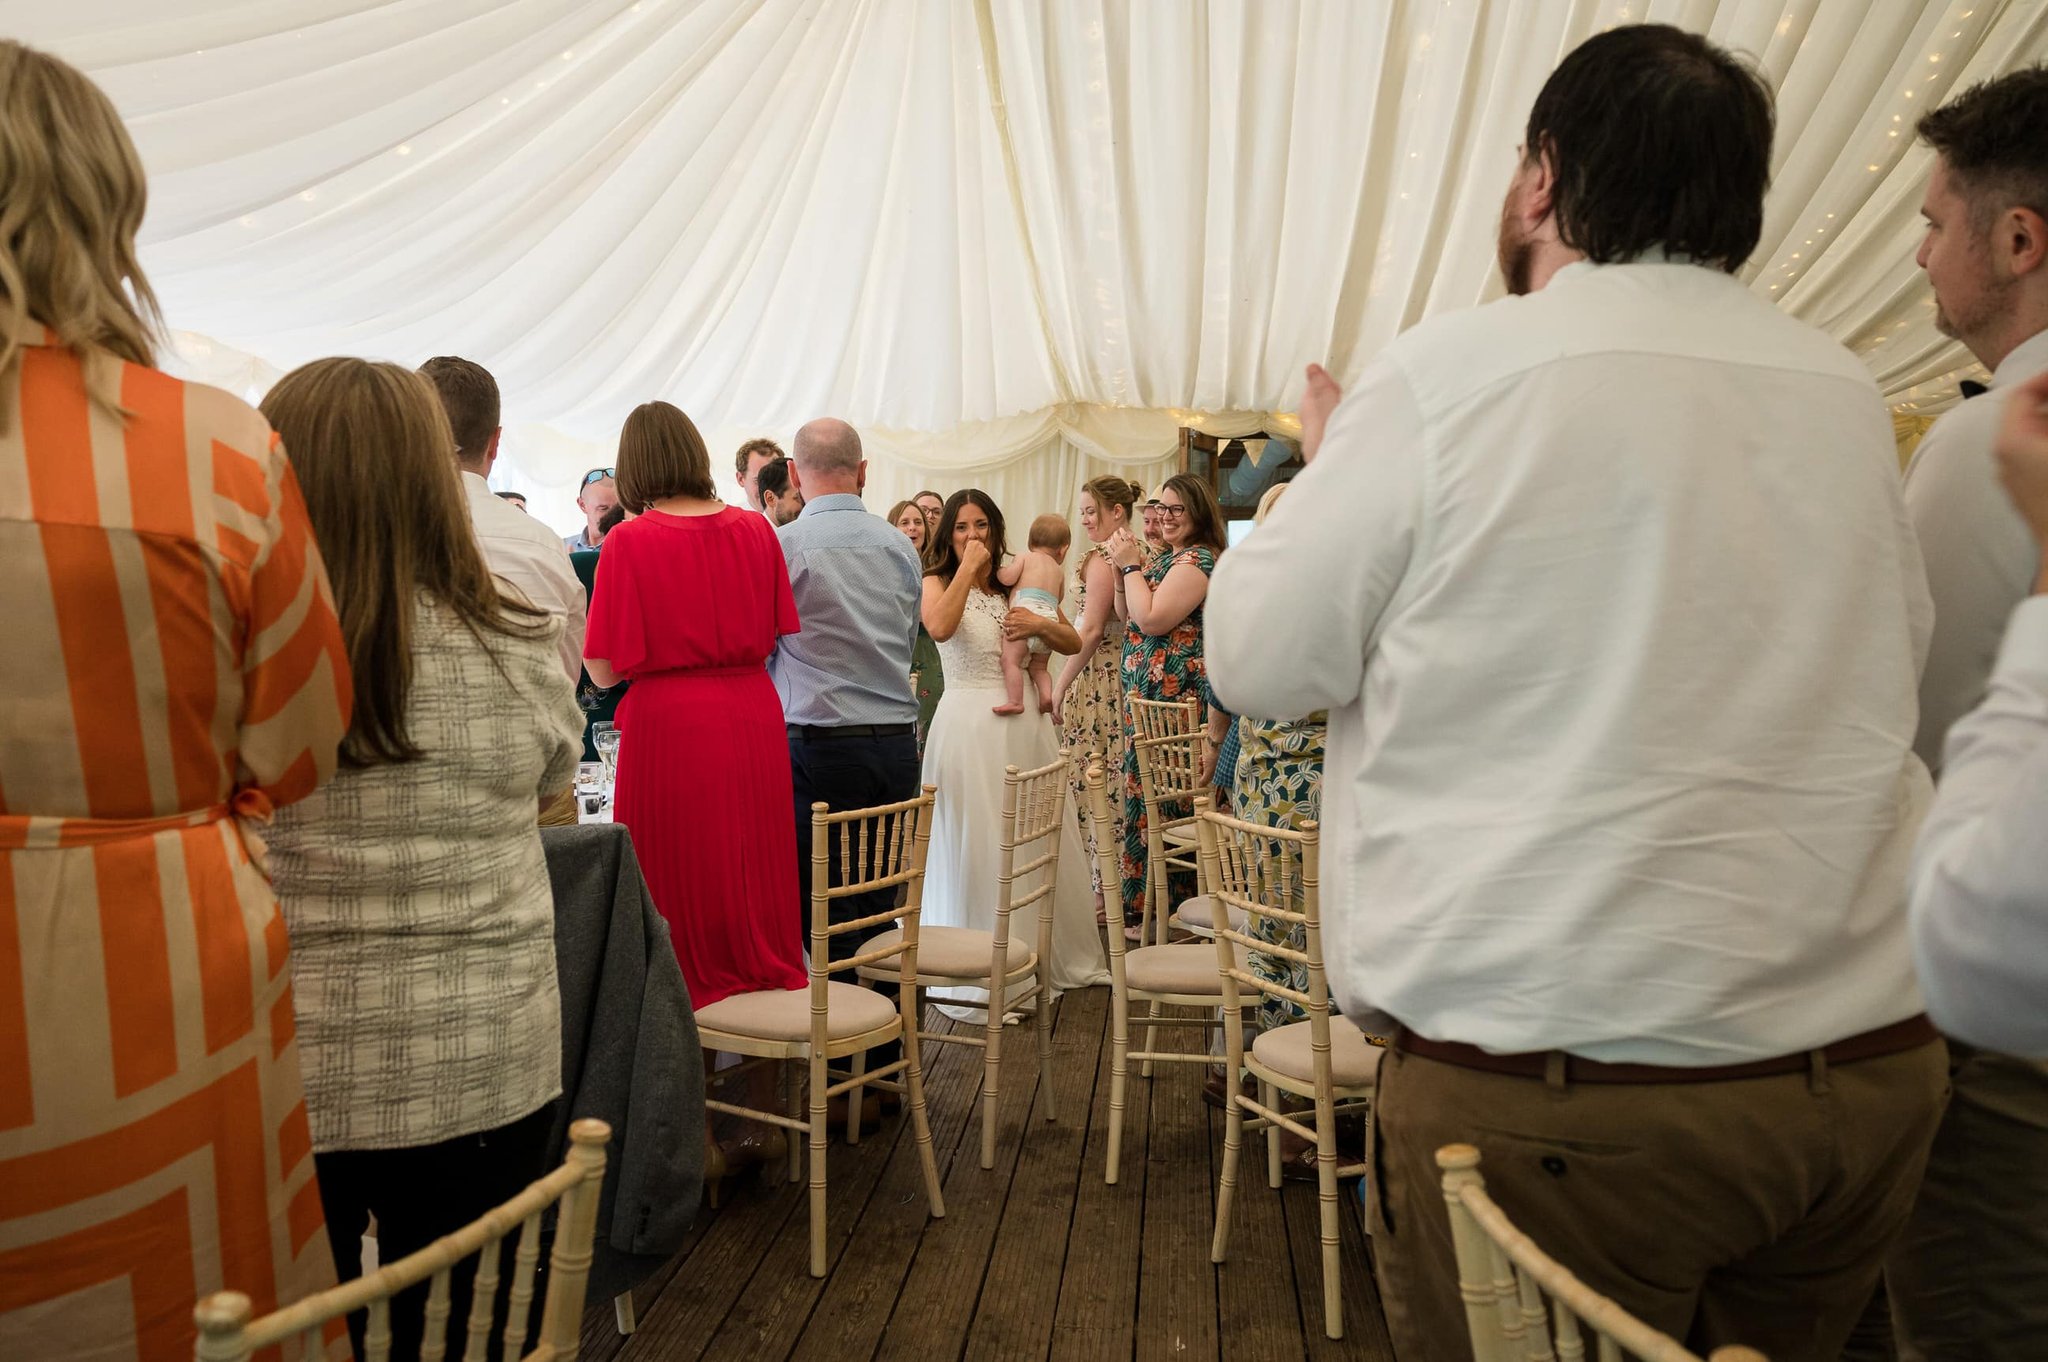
x=1609, y=592
x=1980, y=878
x=521, y=552
x=1969, y=1280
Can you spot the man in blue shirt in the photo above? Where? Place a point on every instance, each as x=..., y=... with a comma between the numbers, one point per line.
x=845, y=678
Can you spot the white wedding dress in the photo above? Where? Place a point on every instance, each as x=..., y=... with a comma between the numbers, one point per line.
x=964, y=756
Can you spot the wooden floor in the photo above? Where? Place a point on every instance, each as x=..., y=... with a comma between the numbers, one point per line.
x=1036, y=1258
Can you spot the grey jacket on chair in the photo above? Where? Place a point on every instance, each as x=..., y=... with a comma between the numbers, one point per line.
x=629, y=1052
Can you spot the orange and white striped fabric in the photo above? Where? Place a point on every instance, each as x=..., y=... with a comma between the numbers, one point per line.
x=171, y=668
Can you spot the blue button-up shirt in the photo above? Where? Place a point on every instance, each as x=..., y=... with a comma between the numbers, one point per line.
x=859, y=590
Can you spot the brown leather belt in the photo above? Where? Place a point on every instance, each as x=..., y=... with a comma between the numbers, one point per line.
x=1886, y=1040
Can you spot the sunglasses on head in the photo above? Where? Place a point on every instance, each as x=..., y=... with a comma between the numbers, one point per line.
x=596, y=475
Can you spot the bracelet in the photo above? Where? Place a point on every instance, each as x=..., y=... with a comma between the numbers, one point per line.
x=1124, y=572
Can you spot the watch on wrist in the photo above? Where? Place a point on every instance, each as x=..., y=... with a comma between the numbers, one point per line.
x=1128, y=569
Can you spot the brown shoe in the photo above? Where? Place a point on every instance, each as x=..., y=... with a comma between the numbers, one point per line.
x=1216, y=1090
x=870, y=1112
x=758, y=1145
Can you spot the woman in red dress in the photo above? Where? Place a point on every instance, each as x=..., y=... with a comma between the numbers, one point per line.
x=691, y=595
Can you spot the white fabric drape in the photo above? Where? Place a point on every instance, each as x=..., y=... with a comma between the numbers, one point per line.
x=979, y=229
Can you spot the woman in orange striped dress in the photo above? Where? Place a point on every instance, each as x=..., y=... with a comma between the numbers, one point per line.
x=172, y=670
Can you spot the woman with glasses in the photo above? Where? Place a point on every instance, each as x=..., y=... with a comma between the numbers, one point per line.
x=1159, y=597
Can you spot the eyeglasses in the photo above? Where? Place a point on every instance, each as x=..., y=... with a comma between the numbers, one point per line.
x=596, y=475
x=1172, y=512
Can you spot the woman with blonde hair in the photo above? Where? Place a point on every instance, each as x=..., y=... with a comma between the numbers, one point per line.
x=421, y=916
x=174, y=672
x=1088, y=702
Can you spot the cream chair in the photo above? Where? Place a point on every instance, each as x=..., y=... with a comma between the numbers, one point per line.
x=879, y=849
x=227, y=1333
x=1182, y=975
x=1166, y=742
x=1034, y=808
x=1272, y=874
x=1507, y=1283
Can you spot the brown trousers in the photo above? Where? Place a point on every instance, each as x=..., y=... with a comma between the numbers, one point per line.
x=561, y=811
x=1756, y=1211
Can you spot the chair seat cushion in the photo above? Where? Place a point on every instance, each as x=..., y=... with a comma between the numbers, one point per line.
x=949, y=952
x=1290, y=1050
x=1188, y=967
x=1199, y=914
x=1182, y=836
x=785, y=1014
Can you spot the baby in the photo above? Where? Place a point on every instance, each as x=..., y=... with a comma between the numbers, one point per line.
x=1038, y=583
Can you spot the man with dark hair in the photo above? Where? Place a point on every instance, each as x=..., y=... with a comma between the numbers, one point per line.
x=780, y=501
x=1970, y=1277
x=514, y=498
x=521, y=552
x=1609, y=591
x=747, y=465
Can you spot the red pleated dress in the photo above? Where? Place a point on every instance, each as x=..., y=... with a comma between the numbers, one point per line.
x=689, y=608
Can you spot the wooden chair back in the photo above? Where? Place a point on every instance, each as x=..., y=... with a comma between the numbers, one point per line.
x=876, y=849
x=227, y=1333
x=1269, y=873
x=1169, y=779
x=1034, y=812
x=1164, y=718
x=1521, y=1305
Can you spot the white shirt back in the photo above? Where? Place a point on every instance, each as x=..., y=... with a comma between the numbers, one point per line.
x=1611, y=596
x=1981, y=557
x=530, y=558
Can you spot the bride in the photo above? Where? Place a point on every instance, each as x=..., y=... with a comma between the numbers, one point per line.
x=968, y=747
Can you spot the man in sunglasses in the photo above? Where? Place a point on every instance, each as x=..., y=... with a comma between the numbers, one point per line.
x=599, y=494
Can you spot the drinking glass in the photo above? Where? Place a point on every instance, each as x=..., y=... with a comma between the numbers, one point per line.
x=605, y=738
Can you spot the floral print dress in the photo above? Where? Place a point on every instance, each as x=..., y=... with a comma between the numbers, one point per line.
x=1165, y=668
x=1280, y=783
x=1092, y=722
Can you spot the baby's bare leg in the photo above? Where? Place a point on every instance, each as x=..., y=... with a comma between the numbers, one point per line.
x=1016, y=656
x=1041, y=680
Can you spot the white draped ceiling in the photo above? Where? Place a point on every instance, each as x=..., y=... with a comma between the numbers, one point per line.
x=1015, y=241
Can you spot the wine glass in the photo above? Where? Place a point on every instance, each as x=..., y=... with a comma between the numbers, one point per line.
x=605, y=738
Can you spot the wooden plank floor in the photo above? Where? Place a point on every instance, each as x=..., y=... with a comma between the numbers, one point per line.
x=1036, y=1258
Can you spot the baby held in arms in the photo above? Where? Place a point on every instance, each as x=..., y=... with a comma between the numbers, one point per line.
x=1036, y=577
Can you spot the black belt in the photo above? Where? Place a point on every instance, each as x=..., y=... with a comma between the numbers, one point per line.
x=852, y=730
